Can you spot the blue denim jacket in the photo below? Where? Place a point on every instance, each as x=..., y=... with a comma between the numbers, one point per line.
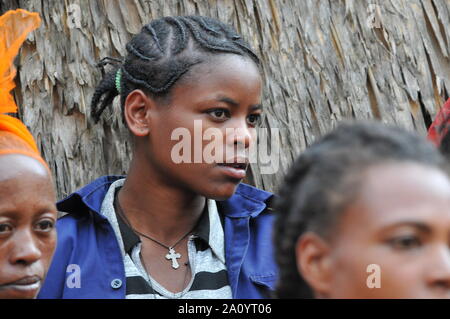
x=87, y=247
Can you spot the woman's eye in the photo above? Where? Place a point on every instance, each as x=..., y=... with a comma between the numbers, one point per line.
x=219, y=114
x=254, y=119
x=5, y=229
x=405, y=242
x=45, y=225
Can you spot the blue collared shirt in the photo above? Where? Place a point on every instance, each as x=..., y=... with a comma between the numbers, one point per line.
x=88, y=261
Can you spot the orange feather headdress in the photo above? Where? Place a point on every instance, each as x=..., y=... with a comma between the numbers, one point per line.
x=14, y=135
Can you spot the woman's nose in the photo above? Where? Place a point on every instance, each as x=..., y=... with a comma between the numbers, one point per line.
x=241, y=134
x=25, y=250
x=439, y=269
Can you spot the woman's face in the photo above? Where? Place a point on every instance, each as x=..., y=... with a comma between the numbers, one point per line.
x=395, y=237
x=220, y=98
x=27, y=232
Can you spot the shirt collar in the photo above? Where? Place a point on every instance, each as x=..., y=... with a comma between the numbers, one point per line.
x=209, y=231
x=129, y=237
x=247, y=201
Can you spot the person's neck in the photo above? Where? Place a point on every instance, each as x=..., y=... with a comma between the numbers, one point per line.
x=155, y=208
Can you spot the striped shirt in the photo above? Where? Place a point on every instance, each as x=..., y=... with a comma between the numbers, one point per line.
x=206, y=250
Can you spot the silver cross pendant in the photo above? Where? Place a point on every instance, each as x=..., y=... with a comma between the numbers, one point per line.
x=172, y=255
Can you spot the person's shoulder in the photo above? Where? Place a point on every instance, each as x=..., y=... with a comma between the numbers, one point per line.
x=89, y=197
x=252, y=192
x=256, y=194
x=72, y=226
x=248, y=201
x=79, y=213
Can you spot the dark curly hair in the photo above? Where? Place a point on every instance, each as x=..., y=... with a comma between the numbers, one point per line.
x=325, y=178
x=162, y=53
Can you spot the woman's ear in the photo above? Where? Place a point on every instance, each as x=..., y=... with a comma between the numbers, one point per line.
x=137, y=110
x=313, y=258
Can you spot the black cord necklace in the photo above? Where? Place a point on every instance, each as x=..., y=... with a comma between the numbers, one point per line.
x=149, y=280
x=172, y=255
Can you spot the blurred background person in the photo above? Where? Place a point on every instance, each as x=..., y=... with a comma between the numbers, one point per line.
x=365, y=213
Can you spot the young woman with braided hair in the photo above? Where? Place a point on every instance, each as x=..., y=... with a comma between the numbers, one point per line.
x=365, y=213
x=167, y=229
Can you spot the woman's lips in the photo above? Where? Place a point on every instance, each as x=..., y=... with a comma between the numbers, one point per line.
x=236, y=171
x=30, y=284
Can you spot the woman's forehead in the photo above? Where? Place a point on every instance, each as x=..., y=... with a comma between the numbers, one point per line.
x=234, y=75
x=223, y=64
x=26, y=189
x=392, y=192
x=405, y=179
x=13, y=165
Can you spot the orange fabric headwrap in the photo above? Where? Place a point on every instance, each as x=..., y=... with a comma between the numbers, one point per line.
x=14, y=28
x=14, y=135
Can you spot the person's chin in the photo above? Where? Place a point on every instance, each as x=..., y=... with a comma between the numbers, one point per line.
x=20, y=292
x=223, y=191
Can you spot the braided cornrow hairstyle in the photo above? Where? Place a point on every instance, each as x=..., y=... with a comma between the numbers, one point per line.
x=325, y=178
x=162, y=52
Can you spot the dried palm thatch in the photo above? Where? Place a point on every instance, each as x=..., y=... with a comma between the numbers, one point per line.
x=324, y=61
